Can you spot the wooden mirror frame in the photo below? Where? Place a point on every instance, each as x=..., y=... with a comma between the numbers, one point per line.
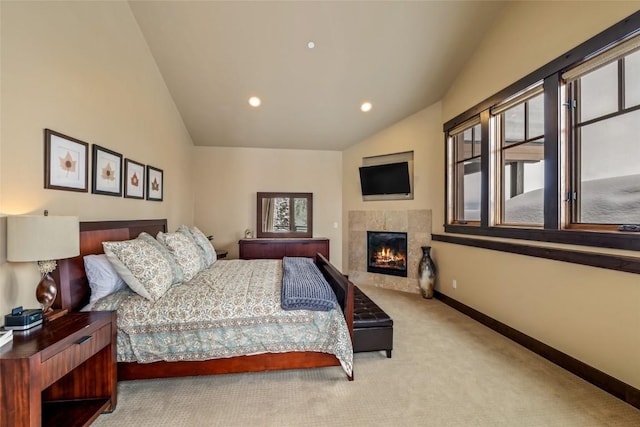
x=290, y=233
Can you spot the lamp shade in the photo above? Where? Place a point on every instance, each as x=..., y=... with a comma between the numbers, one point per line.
x=42, y=238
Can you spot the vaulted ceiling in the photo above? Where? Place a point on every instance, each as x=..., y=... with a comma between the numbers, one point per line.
x=401, y=56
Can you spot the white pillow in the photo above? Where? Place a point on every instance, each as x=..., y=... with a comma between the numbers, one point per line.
x=185, y=251
x=141, y=265
x=103, y=278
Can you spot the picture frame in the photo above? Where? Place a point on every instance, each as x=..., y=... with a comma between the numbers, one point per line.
x=106, y=168
x=155, y=184
x=65, y=162
x=134, y=179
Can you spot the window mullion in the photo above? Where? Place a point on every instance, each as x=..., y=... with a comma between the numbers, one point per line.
x=572, y=156
x=497, y=186
x=573, y=195
x=621, y=86
x=526, y=120
x=551, y=204
x=484, y=168
x=458, y=210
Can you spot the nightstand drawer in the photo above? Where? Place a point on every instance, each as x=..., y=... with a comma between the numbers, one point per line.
x=74, y=355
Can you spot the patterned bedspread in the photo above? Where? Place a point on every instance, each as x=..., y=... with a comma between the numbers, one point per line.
x=231, y=309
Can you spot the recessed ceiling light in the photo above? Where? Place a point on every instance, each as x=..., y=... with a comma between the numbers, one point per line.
x=366, y=106
x=311, y=45
x=254, y=101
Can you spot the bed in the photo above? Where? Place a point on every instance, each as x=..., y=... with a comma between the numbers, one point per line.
x=74, y=292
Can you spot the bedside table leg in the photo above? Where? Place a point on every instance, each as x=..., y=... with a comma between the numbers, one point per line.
x=19, y=399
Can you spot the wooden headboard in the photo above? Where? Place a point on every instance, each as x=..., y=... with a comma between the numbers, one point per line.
x=73, y=287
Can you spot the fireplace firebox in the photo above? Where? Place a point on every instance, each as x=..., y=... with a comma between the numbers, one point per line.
x=387, y=253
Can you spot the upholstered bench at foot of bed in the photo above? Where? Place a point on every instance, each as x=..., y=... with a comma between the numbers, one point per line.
x=372, y=327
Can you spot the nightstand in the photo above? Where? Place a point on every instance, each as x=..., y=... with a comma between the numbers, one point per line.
x=60, y=373
x=221, y=254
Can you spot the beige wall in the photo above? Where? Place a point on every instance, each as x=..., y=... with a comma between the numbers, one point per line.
x=82, y=69
x=226, y=181
x=420, y=133
x=589, y=313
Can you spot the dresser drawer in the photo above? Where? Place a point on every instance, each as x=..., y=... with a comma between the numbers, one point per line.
x=279, y=248
x=76, y=353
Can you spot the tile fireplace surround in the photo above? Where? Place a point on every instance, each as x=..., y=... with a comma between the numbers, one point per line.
x=417, y=224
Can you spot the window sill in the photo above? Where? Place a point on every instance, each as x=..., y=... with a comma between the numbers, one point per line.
x=599, y=239
x=608, y=261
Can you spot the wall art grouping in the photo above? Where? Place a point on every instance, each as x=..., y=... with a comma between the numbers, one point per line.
x=66, y=168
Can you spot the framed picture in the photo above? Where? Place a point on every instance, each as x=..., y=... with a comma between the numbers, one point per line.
x=155, y=184
x=134, y=179
x=107, y=172
x=65, y=162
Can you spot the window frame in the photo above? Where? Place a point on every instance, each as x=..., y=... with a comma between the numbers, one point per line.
x=574, y=127
x=500, y=146
x=555, y=228
x=453, y=146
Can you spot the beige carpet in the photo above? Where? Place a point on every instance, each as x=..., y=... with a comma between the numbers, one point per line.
x=446, y=370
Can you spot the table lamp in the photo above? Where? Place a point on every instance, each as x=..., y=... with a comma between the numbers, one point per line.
x=44, y=239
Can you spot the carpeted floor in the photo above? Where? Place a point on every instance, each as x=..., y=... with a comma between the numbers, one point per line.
x=446, y=370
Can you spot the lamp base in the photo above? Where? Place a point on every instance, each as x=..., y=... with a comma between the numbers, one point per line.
x=46, y=292
x=53, y=314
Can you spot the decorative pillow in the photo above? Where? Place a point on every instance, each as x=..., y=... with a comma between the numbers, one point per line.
x=141, y=265
x=102, y=277
x=176, y=271
x=185, y=251
x=205, y=246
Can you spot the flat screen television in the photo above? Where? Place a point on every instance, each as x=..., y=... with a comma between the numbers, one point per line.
x=391, y=178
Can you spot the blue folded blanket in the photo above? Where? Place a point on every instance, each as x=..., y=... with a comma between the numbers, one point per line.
x=304, y=287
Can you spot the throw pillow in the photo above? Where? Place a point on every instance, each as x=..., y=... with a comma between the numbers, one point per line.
x=176, y=270
x=205, y=246
x=141, y=265
x=185, y=251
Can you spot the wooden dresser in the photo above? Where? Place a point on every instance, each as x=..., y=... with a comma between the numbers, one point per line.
x=61, y=373
x=278, y=248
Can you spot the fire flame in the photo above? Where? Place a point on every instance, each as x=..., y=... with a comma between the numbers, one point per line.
x=388, y=258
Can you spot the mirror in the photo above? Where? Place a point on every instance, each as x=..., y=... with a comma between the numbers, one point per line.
x=284, y=215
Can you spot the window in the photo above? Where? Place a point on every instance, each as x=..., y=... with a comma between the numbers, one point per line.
x=604, y=155
x=555, y=156
x=284, y=215
x=465, y=153
x=519, y=138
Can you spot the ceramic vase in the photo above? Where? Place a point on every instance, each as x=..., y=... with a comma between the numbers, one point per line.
x=426, y=273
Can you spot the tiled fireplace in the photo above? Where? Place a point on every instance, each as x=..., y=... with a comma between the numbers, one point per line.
x=414, y=224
